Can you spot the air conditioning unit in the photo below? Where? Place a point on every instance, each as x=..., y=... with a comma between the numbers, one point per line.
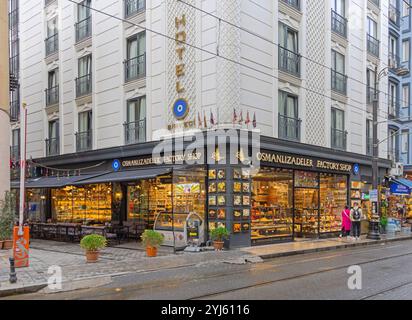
x=397, y=170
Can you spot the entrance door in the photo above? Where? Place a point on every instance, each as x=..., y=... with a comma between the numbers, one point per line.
x=306, y=196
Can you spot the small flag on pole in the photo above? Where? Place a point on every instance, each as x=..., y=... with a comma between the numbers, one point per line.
x=199, y=120
x=205, y=119
x=234, y=116
x=247, y=118
x=212, y=119
x=254, y=121
x=241, y=117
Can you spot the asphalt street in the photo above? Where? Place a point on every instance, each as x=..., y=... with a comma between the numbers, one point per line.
x=385, y=274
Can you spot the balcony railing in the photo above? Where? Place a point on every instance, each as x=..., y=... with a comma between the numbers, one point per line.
x=83, y=29
x=339, y=24
x=339, y=138
x=393, y=108
x=370, y=94
x=52, y=44
x=373, y=45
x=289, y=128
x=394, y=15
x=84, y=85
x=15, y=153
x=132, y=7
x=14, y=111
x=393, y=154
x=84, y=141
x=52, y=96
x=135, y=132
x=293, y=3
x=289, y=61
x=339, y=82
x=52, y=147
x=13, y=19
x=135, y=68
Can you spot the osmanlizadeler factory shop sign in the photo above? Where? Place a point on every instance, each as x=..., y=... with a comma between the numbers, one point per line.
x=304, y=162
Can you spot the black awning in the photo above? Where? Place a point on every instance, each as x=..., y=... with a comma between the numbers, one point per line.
x=123, y=176
x=52, y=182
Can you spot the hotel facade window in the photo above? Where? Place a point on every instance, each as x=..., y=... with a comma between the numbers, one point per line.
x=394, y=59
x=370, y=85
x=135, y=64
x=133, y=6
x=15, y=145
x=393, y=153
x=373, y=43
x=338, y=133
x=289, y=122
x=339, y=22
x=406, y=96
x=52, y=40
x=84, y=140
x=289, y=57
x=52, y=91
x=53, y=142
x=338, y=76
x=84, y=21
x=393, y=99
x=135, y=126
x=84, y=80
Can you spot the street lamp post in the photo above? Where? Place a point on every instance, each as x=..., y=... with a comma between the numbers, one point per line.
x=374, y=223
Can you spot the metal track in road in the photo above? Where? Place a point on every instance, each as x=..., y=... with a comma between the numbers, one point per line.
x=264, y=283
x=387, y=290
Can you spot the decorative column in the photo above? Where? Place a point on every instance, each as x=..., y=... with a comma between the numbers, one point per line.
x=228, y=72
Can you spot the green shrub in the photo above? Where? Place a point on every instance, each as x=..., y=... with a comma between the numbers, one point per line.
x=219, y=234
x=384, y=221
x=93, y=242
x=7, y=216
x=152, y=238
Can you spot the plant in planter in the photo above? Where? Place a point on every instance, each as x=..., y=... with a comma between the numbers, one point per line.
x=383, y=223
x=219, y=235
x=92, y=244
x=152, y=240
x=7, y=219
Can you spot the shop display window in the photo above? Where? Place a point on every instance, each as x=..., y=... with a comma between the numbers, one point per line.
x=305, y=179
x=36, y=203
x=272, y=205
x=333, y=199
x=90, y=205
x=306, y=211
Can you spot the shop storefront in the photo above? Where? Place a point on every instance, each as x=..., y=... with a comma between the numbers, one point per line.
x=292, y=195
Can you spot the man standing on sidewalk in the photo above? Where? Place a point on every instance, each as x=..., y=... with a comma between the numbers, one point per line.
x=356, y=218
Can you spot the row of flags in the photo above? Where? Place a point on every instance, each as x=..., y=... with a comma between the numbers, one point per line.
x=236, y=120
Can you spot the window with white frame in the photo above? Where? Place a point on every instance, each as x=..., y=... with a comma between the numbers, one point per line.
x=405, y=142
x=406, y=51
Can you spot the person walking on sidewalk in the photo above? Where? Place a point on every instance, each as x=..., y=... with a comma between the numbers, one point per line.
x=356, y=218
x=346, y=222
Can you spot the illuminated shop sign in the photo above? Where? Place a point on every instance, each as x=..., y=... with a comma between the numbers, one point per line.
x=162, y=160
x=304, y=162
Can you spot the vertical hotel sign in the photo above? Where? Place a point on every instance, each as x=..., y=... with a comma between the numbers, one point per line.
x=181, y=65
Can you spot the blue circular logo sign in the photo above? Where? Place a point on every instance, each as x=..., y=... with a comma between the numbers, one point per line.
x=180, y=109
x=356, y=169
x=116, y=165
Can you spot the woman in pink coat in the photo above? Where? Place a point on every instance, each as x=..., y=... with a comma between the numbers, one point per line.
x=346, y=222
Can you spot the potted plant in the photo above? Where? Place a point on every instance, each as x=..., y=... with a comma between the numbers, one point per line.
x=7, y=217
x=152, y=240
x=92, y=244
x=383, y=223
x=219, y=235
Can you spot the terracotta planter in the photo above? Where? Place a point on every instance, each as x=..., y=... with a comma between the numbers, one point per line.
x=151, y=252
x=7, y=244
x=92, y=256
x=218, y=245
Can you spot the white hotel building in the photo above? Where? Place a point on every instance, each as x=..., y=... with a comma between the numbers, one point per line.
x=99, y=88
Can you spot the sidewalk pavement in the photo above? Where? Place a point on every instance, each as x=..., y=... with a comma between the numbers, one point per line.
x=131, y=259
x=310, y=246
